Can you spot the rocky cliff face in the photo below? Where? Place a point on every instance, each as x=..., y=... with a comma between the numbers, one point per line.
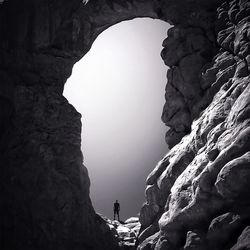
x=198, y=195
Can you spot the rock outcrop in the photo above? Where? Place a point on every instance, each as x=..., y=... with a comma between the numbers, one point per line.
x=126, y=232
x=199, y=193
x=201, y=186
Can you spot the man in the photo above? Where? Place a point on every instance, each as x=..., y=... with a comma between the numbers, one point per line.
x=116, y=209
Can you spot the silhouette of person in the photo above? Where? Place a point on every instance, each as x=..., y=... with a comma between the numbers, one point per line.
x=116, y=209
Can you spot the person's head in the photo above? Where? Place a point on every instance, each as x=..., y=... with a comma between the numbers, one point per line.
x=116, y=201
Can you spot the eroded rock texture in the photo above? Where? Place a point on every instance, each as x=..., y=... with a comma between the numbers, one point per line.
x=199, y=190
x=198, y=196
x=44, y=186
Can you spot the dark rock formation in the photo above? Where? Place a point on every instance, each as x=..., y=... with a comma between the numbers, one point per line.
x=199, y=189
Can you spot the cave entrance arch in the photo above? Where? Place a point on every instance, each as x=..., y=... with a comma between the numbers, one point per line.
x=118, y=87
x=45, y=187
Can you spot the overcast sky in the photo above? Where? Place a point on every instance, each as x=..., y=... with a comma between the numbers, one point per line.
x=118, y=87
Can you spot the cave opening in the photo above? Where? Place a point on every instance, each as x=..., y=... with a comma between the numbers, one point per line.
x=118, y=88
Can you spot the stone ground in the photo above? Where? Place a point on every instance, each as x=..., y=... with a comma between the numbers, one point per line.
x=126, y=232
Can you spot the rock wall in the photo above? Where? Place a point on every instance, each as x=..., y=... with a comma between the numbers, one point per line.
x=44, y=186
x=198, y=196
x=194, y=192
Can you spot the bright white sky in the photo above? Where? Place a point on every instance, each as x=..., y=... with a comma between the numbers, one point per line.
x=118, y=87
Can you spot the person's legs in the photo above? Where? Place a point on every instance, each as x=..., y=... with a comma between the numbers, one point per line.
x=116, y=213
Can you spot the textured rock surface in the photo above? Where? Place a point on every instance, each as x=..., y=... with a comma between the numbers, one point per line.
x=199, y=188
x=203, y=182
x=243, y=241
x=44, y=186
x=126, y=232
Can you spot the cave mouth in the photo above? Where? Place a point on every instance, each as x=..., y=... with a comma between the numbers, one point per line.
x=118, y=87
